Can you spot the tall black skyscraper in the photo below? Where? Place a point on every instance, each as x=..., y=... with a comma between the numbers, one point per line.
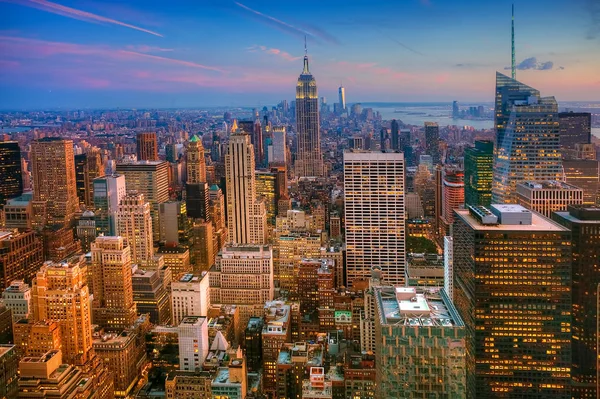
x=432, y=141
x=575, y=128
x=395, y=142
x=11, y=182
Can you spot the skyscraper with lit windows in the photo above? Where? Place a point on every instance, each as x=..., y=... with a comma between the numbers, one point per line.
x=512, y=288
x=527, y=138
x=375, y=213
x=310, y=159
x=478, y=173
x=11, y=184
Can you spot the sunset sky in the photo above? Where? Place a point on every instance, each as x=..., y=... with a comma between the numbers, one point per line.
x=222, y=53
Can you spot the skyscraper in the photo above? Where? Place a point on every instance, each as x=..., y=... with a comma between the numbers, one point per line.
x=584, y=223
x=11, y=183
x=54, y=189
x=134, y=223
x=374, y=206
x=575, y=128
x=59, y=294
x=279, y=147
x=432, y=141
x=147, y=147
x=196, y=164
x=478, y=173
x=547, y=197
x=453, y=195
x=113, y=307
x=310, y=160
x=512, y=288
x=87, y=167
x=150, y=178
x=527, y=138
x=246, y=216
x=342, y=95
x=21, y=256
x=108, y=193
x=584, y=174
x=395, y=137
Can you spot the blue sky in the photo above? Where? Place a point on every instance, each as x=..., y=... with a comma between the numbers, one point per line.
x=200, y=53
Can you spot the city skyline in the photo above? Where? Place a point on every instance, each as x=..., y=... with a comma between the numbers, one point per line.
x=247, y=53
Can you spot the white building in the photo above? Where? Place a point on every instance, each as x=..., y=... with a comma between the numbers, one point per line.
x=17, y=298
x=375, y=215
x=278, y=153
x=189, y=297
x=547, y=197
x=193, y=342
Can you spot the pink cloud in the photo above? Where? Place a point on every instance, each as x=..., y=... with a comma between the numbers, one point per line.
x=142, y=48
x=24, y=47
x=274, y=51
x=8, y=64
x=74, y=13
x=442, y=78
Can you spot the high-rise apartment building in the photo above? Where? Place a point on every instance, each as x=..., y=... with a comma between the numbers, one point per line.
x=527, y=138
x=17, y=298
x=375, y=213
x=243, y=276
x=87, y=167
x=113, y=307
x=278, y=153
x=266, y=189
x=150, y=178
x=55, y=198
x=575, y=128
x=203, y=246
x=189, y=296
x=147, y=146
x=192, y=334
x=310, y=160
x=246, y=216
x=11, y=184
x=108, y=193
x=422, y=345
x=134, y=223
x=584, y=174
x=547, y=197
x=432, y=141
x=512, y=288
x=584, y=223
x=21, y=256
x=478, y=173
x=453, y=195
x=60, y=294
x=151, y=296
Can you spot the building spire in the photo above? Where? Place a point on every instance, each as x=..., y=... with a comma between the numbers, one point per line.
x=305, y=71
x=513, y=63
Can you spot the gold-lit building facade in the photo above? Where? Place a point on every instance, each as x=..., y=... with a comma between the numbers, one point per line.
x=512, y=288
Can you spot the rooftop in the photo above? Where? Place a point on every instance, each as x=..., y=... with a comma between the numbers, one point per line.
x=193, y=320
x=405, y=306
x=538, y=222
x=547, y=185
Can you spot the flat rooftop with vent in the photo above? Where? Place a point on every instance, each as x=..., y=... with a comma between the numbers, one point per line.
x=408, y=306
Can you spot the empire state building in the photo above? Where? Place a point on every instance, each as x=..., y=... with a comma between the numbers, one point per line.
x=310, y=159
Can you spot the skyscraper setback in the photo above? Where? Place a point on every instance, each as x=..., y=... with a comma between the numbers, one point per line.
x=310, y=159
x=247, y=217
x=527, y=138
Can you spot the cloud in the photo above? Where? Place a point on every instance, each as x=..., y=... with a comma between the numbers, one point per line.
x=274, y=51
x=142, y=48
x=310, y=32
x=74, y=13
x=532, y=63
x=19, y=47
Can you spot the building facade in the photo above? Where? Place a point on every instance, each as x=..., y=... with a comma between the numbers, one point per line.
x=478, y=173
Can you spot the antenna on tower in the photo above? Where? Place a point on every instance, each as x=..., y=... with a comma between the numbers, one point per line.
x=513, y=64
x=305, y=49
